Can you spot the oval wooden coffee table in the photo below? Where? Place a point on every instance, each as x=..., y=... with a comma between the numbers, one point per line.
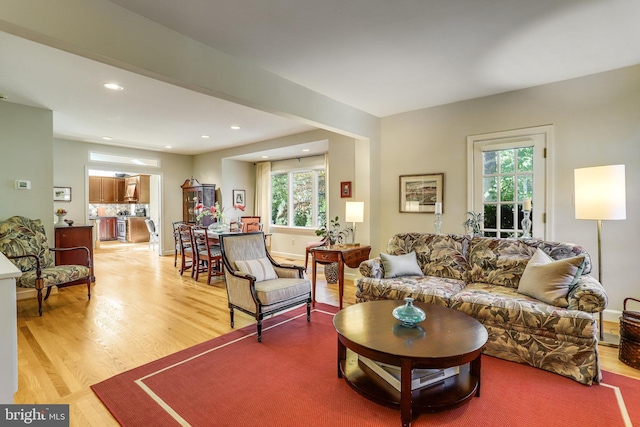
x=445, y=339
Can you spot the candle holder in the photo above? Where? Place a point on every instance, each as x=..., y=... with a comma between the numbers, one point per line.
x=437, y=224
x=526, y=224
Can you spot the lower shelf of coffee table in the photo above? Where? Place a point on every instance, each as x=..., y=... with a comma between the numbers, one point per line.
x=450, y=393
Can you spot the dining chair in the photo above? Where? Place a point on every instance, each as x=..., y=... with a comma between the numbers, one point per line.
x=186, y=250
x=176, y=241
x=153, y=234
x=236, y=227
x=250, y=223
x=208, y=258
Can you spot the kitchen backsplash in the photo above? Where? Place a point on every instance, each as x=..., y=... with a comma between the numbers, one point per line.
x=115, y=209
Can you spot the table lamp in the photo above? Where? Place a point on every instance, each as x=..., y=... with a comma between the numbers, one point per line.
x=600, y=195
x=354, y=213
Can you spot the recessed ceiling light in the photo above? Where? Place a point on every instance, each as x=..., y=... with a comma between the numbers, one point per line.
x=306, y=150
x=264, y=157
x=113, y=86
x=234, y=127
x=107, y=138
x=205, y=136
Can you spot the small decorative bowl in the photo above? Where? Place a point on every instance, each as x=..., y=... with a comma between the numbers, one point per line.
x=69, y=221
x=409, y=315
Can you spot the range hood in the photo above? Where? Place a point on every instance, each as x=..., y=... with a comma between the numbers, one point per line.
x=131, y=194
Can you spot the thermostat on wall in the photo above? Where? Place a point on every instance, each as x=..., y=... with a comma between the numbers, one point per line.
x=22, y=184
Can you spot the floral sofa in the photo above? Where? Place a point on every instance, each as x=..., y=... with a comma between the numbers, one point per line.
x=480, y=276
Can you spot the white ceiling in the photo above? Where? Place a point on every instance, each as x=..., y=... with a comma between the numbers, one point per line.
x=383, y=57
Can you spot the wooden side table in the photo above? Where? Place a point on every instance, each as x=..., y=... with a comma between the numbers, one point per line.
x=352, y=256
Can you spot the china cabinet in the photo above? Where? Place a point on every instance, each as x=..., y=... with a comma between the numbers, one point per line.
x=194, y=194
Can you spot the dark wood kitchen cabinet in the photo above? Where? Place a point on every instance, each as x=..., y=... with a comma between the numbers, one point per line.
x=108, y=229
x=68, y=237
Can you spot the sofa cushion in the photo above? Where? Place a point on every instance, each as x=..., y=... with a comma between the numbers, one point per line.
x=429, y=289
x=400, y=265
x=279, y=290
x=548, y=280
x=498, y=261
x=260, y=268
x=439, y=255
x=507, y=308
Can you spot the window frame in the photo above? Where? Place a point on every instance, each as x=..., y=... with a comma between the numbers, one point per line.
x=543, y=200
x=315, y=199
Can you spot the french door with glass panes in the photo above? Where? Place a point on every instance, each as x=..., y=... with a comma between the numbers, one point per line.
x=507, y=172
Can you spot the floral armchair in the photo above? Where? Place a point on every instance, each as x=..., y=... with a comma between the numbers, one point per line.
x=24, y=242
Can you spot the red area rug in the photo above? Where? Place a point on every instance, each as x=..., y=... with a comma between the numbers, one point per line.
x=290, y=379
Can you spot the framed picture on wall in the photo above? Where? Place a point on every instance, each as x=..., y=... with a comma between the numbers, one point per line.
x=420, y=193
x=61, y=194
x=239, y=199
x=345, y=189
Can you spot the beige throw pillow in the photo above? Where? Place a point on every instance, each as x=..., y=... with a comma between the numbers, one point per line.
x=260, y=268
x=400, y=265
x=548, y=280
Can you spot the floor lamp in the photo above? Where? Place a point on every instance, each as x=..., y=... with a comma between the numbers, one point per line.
x=600, y=195
x=354, y=212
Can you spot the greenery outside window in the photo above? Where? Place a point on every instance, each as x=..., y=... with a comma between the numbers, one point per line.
x=298, y=198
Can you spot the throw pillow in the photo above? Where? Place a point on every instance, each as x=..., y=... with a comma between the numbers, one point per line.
x=548, y=280
x=400, y=265
x=260, y=268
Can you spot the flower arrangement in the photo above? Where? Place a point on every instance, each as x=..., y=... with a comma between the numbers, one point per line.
x=214, y=212
x=61, y=212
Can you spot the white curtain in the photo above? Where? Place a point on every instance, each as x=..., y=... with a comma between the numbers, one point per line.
x=263, y=194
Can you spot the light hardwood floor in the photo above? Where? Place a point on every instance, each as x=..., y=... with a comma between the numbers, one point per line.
x=141, y=309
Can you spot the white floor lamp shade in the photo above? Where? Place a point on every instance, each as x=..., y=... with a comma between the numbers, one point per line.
x=600, y=195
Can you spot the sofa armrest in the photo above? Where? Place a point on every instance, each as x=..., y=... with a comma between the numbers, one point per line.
x=587, y=295
x=372, y=268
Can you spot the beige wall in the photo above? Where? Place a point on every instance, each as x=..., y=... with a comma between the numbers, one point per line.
x=217, y=167
x=596, y=122
x=26, y=151
x=71, y=162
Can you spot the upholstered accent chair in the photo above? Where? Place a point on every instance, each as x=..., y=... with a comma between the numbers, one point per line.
x=24, y=242
x=258, y=285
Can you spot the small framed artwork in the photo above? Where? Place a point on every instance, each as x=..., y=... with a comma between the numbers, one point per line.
x=61, y=194
x=239, y=198
x=345, y=189
x=421, y=193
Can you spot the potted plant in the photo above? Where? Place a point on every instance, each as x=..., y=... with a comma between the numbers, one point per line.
x=332, y=232
x=473, y=224
x=334, y=236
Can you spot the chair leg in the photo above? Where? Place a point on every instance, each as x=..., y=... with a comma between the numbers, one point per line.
x=231, y=315
x=89, y=288
x=260, y=329
x=46, y=296
x=309, y=310
x=40, y=301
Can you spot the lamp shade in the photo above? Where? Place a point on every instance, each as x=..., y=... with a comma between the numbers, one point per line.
x=354, y=212
x=600, y=193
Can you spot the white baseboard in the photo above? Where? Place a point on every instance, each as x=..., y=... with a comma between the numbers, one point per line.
x=611, y=316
